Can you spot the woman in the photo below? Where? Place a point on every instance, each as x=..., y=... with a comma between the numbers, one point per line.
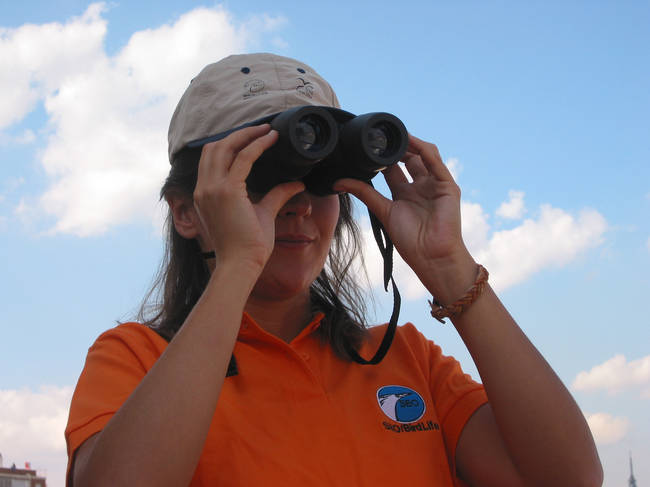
x=255, y=385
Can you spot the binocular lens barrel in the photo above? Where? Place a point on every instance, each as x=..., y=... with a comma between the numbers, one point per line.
x=374, y=141
x=307, y=135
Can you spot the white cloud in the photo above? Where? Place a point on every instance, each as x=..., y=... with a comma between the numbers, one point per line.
x=31, y=429
x=106, y=152
x=514, y=208
x=553, y=239
x=475, y=226
x=36, y=59
x=607, y=429
x=616, y=375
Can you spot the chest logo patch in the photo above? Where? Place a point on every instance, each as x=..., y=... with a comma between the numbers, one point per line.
x=400, y=403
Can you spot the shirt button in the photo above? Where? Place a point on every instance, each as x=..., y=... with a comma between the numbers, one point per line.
x=305, y=356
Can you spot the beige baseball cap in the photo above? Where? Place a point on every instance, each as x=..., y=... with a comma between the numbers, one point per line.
x=242, y=88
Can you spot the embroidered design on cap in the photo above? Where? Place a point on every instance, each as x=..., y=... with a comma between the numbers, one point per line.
x=305, y=87
x=400, y=403
x=254, y=87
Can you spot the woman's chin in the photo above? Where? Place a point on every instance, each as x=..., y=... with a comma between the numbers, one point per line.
x=284, y=279
x=281, y=288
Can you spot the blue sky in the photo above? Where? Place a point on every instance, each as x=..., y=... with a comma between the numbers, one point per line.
x=540, y=110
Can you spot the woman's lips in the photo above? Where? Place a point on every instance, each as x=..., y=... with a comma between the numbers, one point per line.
x=293, y=241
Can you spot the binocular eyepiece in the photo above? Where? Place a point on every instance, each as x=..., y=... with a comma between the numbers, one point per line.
x=320, y=145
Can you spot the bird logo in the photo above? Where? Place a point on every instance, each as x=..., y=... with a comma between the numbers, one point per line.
x=400, y=403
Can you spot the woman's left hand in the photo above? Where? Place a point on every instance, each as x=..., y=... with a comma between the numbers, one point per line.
x=423, y=218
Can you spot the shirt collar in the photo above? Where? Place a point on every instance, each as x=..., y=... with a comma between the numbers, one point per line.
x=249, y=327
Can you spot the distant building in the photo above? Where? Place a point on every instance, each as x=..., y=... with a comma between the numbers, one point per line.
x=631, y=482
x=20, y=477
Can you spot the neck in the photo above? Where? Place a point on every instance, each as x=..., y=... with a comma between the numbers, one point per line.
x=284, y=319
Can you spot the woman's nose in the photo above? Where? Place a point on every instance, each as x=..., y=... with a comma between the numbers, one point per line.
x=298, y=205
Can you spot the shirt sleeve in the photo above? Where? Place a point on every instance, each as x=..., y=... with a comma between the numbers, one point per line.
x=456, y=396
x=115, y=365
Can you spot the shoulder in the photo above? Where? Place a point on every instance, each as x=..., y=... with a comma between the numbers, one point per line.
x=406, y=336
x=409, y=346
x=116, y=362
x=132, y=339
x=131, y=332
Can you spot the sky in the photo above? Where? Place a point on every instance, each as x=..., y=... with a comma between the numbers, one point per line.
x=540, y=109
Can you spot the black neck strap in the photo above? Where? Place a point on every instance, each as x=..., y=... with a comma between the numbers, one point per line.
x=386, y=248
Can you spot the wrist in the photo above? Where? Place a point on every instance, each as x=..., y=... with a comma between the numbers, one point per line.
x=238, y=263
x=244, y=273
x=455, y=309
x=449, y=278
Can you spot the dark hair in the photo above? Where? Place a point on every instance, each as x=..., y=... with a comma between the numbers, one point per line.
x=183, y=273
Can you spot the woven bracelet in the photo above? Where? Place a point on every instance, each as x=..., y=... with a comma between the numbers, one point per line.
x=438, y=311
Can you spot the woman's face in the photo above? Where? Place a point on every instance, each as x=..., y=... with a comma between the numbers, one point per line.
x=304, y=229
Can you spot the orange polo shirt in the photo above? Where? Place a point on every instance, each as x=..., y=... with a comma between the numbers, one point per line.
x=296, y=415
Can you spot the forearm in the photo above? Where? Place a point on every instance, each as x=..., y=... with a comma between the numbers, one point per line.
x=545, y=432
x=157, y=436
x=542, y=427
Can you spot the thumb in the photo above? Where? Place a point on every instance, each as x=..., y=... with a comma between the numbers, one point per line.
x=373, y=199
x=276, y=198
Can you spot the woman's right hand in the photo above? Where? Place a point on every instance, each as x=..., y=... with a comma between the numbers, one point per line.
x=241, y=232
x=238, y=229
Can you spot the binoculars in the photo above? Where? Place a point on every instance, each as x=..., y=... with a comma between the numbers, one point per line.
x=320, y=145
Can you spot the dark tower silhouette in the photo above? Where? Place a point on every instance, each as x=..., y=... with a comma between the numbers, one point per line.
x=632, y=481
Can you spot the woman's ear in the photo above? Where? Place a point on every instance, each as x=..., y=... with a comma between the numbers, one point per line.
x=186, y=219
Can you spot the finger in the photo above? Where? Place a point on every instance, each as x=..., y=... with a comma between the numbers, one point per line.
x=217, y=157
x=375, y=201
x=245, y=159
x=211, y=163
x=395, y=177
x=241, y=138
x=415, y=166
x=278, y=196
x=430, y=158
